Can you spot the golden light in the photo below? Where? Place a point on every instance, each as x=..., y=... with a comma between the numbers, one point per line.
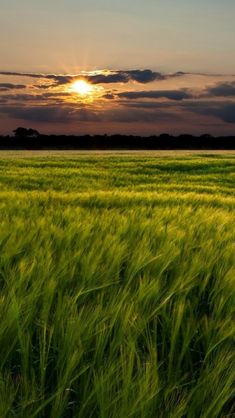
x=82, y=88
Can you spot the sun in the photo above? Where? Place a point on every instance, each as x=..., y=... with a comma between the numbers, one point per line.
x=82, y=88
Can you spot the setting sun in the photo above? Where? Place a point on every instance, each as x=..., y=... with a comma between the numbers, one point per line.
x=81, y=87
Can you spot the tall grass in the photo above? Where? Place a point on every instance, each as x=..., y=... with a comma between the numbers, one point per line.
x=117, y=287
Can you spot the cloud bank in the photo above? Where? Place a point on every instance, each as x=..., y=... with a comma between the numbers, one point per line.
x=181, y=98
x=222, y=90
x=102, y=77
x=177, y=95
x=10, y=86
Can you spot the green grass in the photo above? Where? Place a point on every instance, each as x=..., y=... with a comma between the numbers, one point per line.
x=117, y=286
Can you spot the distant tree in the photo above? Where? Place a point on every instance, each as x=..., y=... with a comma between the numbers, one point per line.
x=206, y=136
x=25, y=133
x=164, y=135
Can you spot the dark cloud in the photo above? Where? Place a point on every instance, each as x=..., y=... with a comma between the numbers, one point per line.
x=50, y=114
x=225, y=112
x=112, y=77
x=179, y=74
x=148, y=105
x=69, y=114
x=141, y=116
x=139, y=76
x=61, y=79
x=109, y=96
x=57, y=78
x=177, y=95
x=10, y=86
x=133, y=112
x=118, y=76
x=44, y=86
x=18, y=74
x=43, y=114
x=220, y=110
x=55, y=94
x=145, y=76
x=25, y=99
x=3, y=100
x=222, y=90
x=49, y=107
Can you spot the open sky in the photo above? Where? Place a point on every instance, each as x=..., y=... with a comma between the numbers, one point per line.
x=147, y=66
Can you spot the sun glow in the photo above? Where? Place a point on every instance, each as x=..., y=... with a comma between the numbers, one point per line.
x=82, y=88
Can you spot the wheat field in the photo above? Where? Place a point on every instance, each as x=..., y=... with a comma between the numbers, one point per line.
x=117, y=288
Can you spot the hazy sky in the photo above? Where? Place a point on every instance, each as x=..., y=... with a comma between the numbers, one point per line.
x=166, y=36
x=56, y=35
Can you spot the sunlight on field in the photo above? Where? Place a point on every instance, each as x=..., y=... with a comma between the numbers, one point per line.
x=117, y=285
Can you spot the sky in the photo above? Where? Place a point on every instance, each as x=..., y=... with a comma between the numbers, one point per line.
x=151, y=66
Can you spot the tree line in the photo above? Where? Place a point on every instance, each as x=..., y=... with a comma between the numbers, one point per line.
x=31, y=139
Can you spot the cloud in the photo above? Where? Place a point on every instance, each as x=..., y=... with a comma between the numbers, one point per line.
x=58, y=79
x=225, y=112
x=61, y=79
x=177, y=95
x=145, y=76
x=45, y=97
x=141, y=116
x=118, y=77
x=10, y=86
x=140, y=76
x=18, y=74
x=222, y=90
x=70, y=114
x=133, y=112
x=50, y=114
x=220, y=110
x=109, y=96
x=103, y=77
x=149, y=104
x=44, y=86
x=126, y=76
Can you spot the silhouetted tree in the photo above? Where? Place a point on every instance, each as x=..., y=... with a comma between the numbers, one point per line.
x=206, y=136
x=25, y=133
x=31, y=139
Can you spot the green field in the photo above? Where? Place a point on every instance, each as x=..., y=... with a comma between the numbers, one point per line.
x=117, y=288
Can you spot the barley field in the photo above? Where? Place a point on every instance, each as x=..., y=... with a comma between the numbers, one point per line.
x=117, y=285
